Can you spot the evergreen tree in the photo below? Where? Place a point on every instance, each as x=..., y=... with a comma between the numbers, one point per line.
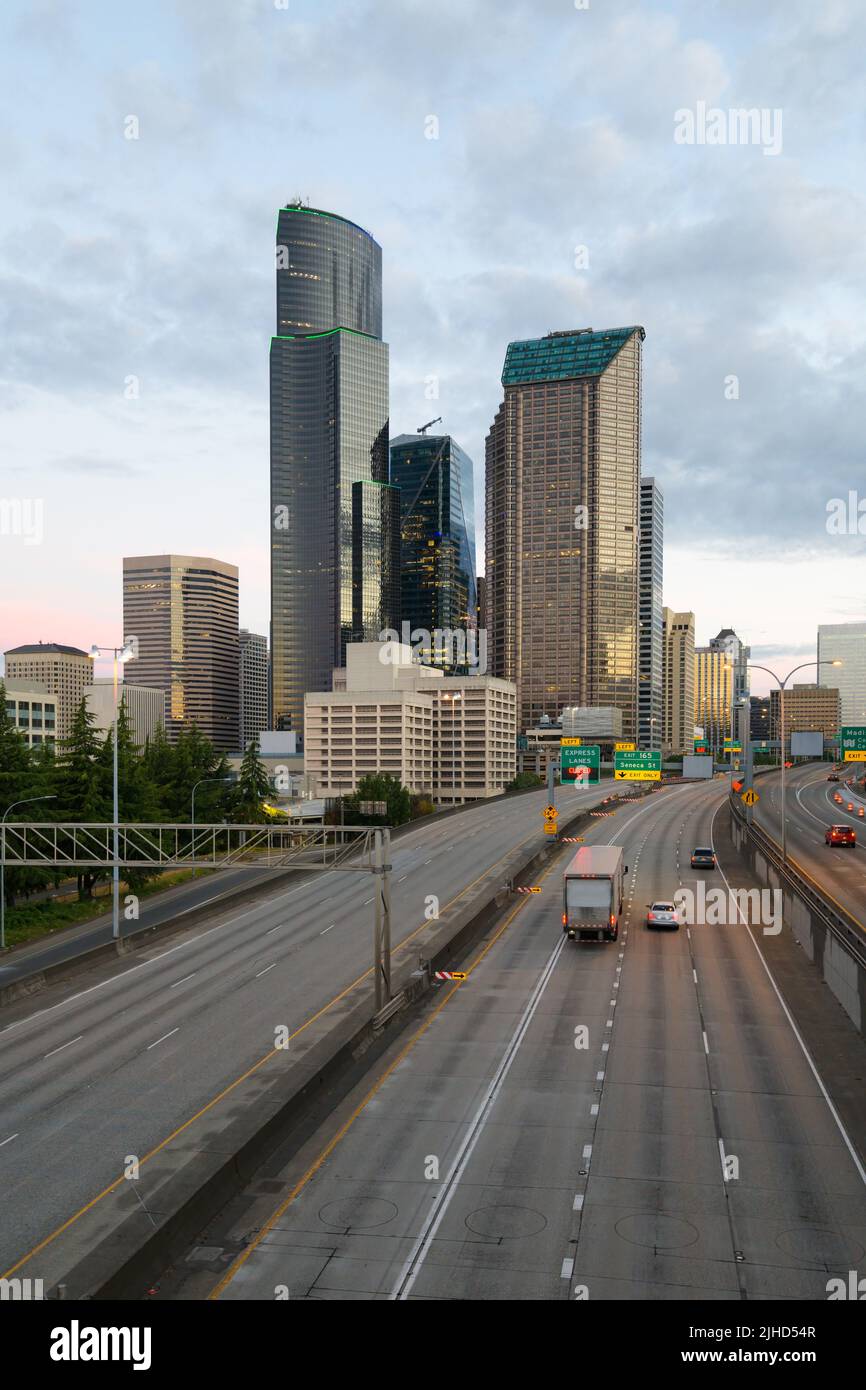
x=378, y=786
x=251, y=789
x=19, y=778
x=80, y=783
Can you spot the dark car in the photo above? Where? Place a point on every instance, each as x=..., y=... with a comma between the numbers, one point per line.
x=841, y=835
x=703, y=859
x=834, y=777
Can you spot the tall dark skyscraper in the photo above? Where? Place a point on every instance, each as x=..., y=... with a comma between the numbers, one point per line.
x=437, y=490
x=650, y=704
x=563, y=474
x=329, y=430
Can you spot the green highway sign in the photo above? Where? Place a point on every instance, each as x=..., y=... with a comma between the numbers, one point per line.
x=572, y=759
x=852, y=742
x=642, y=765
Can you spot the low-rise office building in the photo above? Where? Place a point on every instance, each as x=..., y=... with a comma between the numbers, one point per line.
x=451, y=738
x=145, y=707
x=33, y=711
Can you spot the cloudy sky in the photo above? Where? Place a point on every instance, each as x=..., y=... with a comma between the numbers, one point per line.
x=137, y=293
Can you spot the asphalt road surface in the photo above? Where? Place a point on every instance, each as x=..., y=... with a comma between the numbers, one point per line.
x=487, y=1156
x=810, y=810
x=109, y=1066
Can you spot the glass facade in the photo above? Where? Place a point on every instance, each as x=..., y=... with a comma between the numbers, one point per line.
x=375, y=559
x=650, y=646
x=439, y=589
x=845, y=642
x=562, y=482
x=329, y=430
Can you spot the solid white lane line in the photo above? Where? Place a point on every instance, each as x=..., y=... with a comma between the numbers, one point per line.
x=184, y=980
x=814, y=1070
x=442, y=1200
x=9, y=1140
x=162, y=1039
x=61, y=1049
x=265, y=971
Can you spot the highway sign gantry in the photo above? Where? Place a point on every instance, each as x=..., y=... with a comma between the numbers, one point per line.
x=579, y=762
x=852, y=741
x=642, y=765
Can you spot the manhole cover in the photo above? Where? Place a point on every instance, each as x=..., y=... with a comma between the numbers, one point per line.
x=362, y=1213
x=505, y=1223
x=815, y=1245
x=657, y=1231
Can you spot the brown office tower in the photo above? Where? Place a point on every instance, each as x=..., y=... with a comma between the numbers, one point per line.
x=563, y=482
x=183, y=609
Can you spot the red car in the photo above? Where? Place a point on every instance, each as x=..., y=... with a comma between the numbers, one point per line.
x=840, y=835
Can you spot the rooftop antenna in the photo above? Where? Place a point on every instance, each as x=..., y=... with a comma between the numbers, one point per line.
x=422, y=429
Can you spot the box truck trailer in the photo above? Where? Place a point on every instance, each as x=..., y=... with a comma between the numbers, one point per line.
x=592, y=888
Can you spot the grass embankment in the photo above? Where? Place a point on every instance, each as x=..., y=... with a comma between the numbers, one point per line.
x=29, y=921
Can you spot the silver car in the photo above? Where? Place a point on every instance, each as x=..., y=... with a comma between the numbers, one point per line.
x=663, y=914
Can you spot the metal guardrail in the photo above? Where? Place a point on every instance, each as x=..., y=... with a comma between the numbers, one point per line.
x=841, y=924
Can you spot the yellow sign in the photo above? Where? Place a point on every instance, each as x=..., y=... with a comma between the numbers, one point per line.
x=550, y=813
x=624, y=747
x=550, y=827
x=458, y=974
x=749, y=797
x=637, y=775
x=570, y=742
x=854, y=755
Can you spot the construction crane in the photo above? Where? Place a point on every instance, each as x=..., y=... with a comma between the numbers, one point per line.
x=422, y=429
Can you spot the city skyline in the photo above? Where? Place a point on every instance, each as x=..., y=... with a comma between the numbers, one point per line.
x=152, y=382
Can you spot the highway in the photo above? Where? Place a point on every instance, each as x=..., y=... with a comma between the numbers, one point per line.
x=487, y=1156
x=110, y=1065
x=840, y=871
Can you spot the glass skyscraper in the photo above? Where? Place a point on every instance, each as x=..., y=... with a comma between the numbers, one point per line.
x=329, y=430
x=438, y=588
x=563, y=475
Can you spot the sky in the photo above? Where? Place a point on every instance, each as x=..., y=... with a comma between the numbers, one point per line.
x=526, y=165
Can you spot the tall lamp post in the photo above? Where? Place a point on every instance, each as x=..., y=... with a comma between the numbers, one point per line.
x=200, y=783
x=25, y=802
x=120, y=655
x=782, y=684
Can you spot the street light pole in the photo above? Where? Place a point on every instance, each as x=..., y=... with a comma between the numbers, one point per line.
x=782, y=684
x=119, y=654
x=25, y=802
x=198, y=784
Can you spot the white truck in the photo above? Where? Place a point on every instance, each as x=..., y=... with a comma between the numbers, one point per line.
x=592, y=887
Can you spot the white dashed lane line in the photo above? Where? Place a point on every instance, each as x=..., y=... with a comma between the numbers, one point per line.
x=162, y=1039
x=62, y=1047
x=9, y=1140
x=184, y=980
x=265, y=971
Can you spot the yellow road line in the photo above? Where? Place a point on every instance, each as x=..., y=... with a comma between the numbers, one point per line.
x=329, y=1148
x=112, y=1187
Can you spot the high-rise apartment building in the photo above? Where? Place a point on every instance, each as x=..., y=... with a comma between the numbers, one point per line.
x=846, y=643
x=437, y=500
x=651, y=627
x=62, y=671
x=183, y=610
x=678, y=681
x=562, y=485
x=714, y=695
x=329, y=430
x=252, y=686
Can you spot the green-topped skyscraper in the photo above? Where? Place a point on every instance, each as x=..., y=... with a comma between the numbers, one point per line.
x=329, y=431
